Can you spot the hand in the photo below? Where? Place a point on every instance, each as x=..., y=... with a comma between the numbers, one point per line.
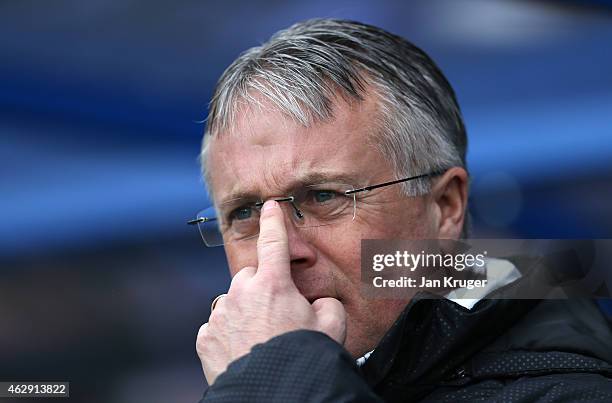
x=263, y=302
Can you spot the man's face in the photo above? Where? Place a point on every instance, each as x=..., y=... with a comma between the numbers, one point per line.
x=266, y=154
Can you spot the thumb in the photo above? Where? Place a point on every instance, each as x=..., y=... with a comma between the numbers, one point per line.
x=331, y=318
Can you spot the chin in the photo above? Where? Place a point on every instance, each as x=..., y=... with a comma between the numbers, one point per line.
x=357, y=343
x=363, y=336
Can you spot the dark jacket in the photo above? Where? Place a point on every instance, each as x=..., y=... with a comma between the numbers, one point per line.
x=502, y=350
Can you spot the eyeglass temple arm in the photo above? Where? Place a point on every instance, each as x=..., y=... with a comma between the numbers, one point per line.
x=201, y=220
x=371, y=187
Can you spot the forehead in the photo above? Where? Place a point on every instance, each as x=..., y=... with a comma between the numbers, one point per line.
x=266, y=153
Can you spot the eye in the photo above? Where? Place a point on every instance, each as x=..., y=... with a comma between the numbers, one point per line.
x=321, y=196
x=241, y=213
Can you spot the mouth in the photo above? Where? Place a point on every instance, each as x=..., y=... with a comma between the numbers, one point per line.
x=313, y=299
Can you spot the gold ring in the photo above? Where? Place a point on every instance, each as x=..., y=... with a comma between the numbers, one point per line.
x=214, y=303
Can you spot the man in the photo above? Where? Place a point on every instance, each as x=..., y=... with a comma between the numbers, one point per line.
x=348, y=132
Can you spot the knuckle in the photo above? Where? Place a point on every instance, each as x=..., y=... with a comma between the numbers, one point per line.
x=201, y=348
x=271, y=237
x=218, y=317
x=273, y=261
x=202, y=339
x=215, y=315
x=235, y=294
x=202, y=331
x=270, y=246
x=270, y=286
x=274, y=288
x=237, y=281
x=242, y=277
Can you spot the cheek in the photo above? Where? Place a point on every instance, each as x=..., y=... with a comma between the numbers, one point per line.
x=240, y=255
x=338, y=258
x=405, y=219
x=342, y=246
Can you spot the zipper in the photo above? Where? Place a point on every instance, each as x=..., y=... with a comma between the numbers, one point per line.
x=459, y=376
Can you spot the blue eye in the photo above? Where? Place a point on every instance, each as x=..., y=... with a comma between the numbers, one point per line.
x=242, y=213
x=322, y=196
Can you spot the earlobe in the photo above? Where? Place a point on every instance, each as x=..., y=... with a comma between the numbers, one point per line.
x=450, y=195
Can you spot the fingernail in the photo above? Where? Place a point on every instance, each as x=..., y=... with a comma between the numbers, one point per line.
x=270, y=204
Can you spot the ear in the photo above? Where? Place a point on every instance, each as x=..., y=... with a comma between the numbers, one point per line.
x=449, y=195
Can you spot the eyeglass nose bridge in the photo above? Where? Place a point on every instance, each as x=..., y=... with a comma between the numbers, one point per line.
x=291, y=200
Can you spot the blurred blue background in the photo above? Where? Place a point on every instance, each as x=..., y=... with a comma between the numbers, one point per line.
x=101, y=103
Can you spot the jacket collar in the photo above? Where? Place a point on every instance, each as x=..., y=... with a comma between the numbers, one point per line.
x=434, y=335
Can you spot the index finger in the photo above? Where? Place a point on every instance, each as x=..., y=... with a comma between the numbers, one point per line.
x=273, y=244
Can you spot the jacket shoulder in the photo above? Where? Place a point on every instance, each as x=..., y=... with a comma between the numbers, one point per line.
x=558, y=388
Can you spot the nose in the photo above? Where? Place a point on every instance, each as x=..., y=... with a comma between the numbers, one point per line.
x=302, y=254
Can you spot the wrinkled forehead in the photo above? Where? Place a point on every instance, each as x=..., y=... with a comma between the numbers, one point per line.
x=244, y=167
x=267, y=154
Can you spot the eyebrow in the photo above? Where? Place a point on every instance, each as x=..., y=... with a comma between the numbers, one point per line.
x=311, y=178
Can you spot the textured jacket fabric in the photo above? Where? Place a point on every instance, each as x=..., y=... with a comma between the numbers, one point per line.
x=502, y=350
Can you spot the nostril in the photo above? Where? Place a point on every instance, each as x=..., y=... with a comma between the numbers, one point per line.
x=299, y=262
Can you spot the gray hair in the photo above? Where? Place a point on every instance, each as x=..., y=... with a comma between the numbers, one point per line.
x=303, y=69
